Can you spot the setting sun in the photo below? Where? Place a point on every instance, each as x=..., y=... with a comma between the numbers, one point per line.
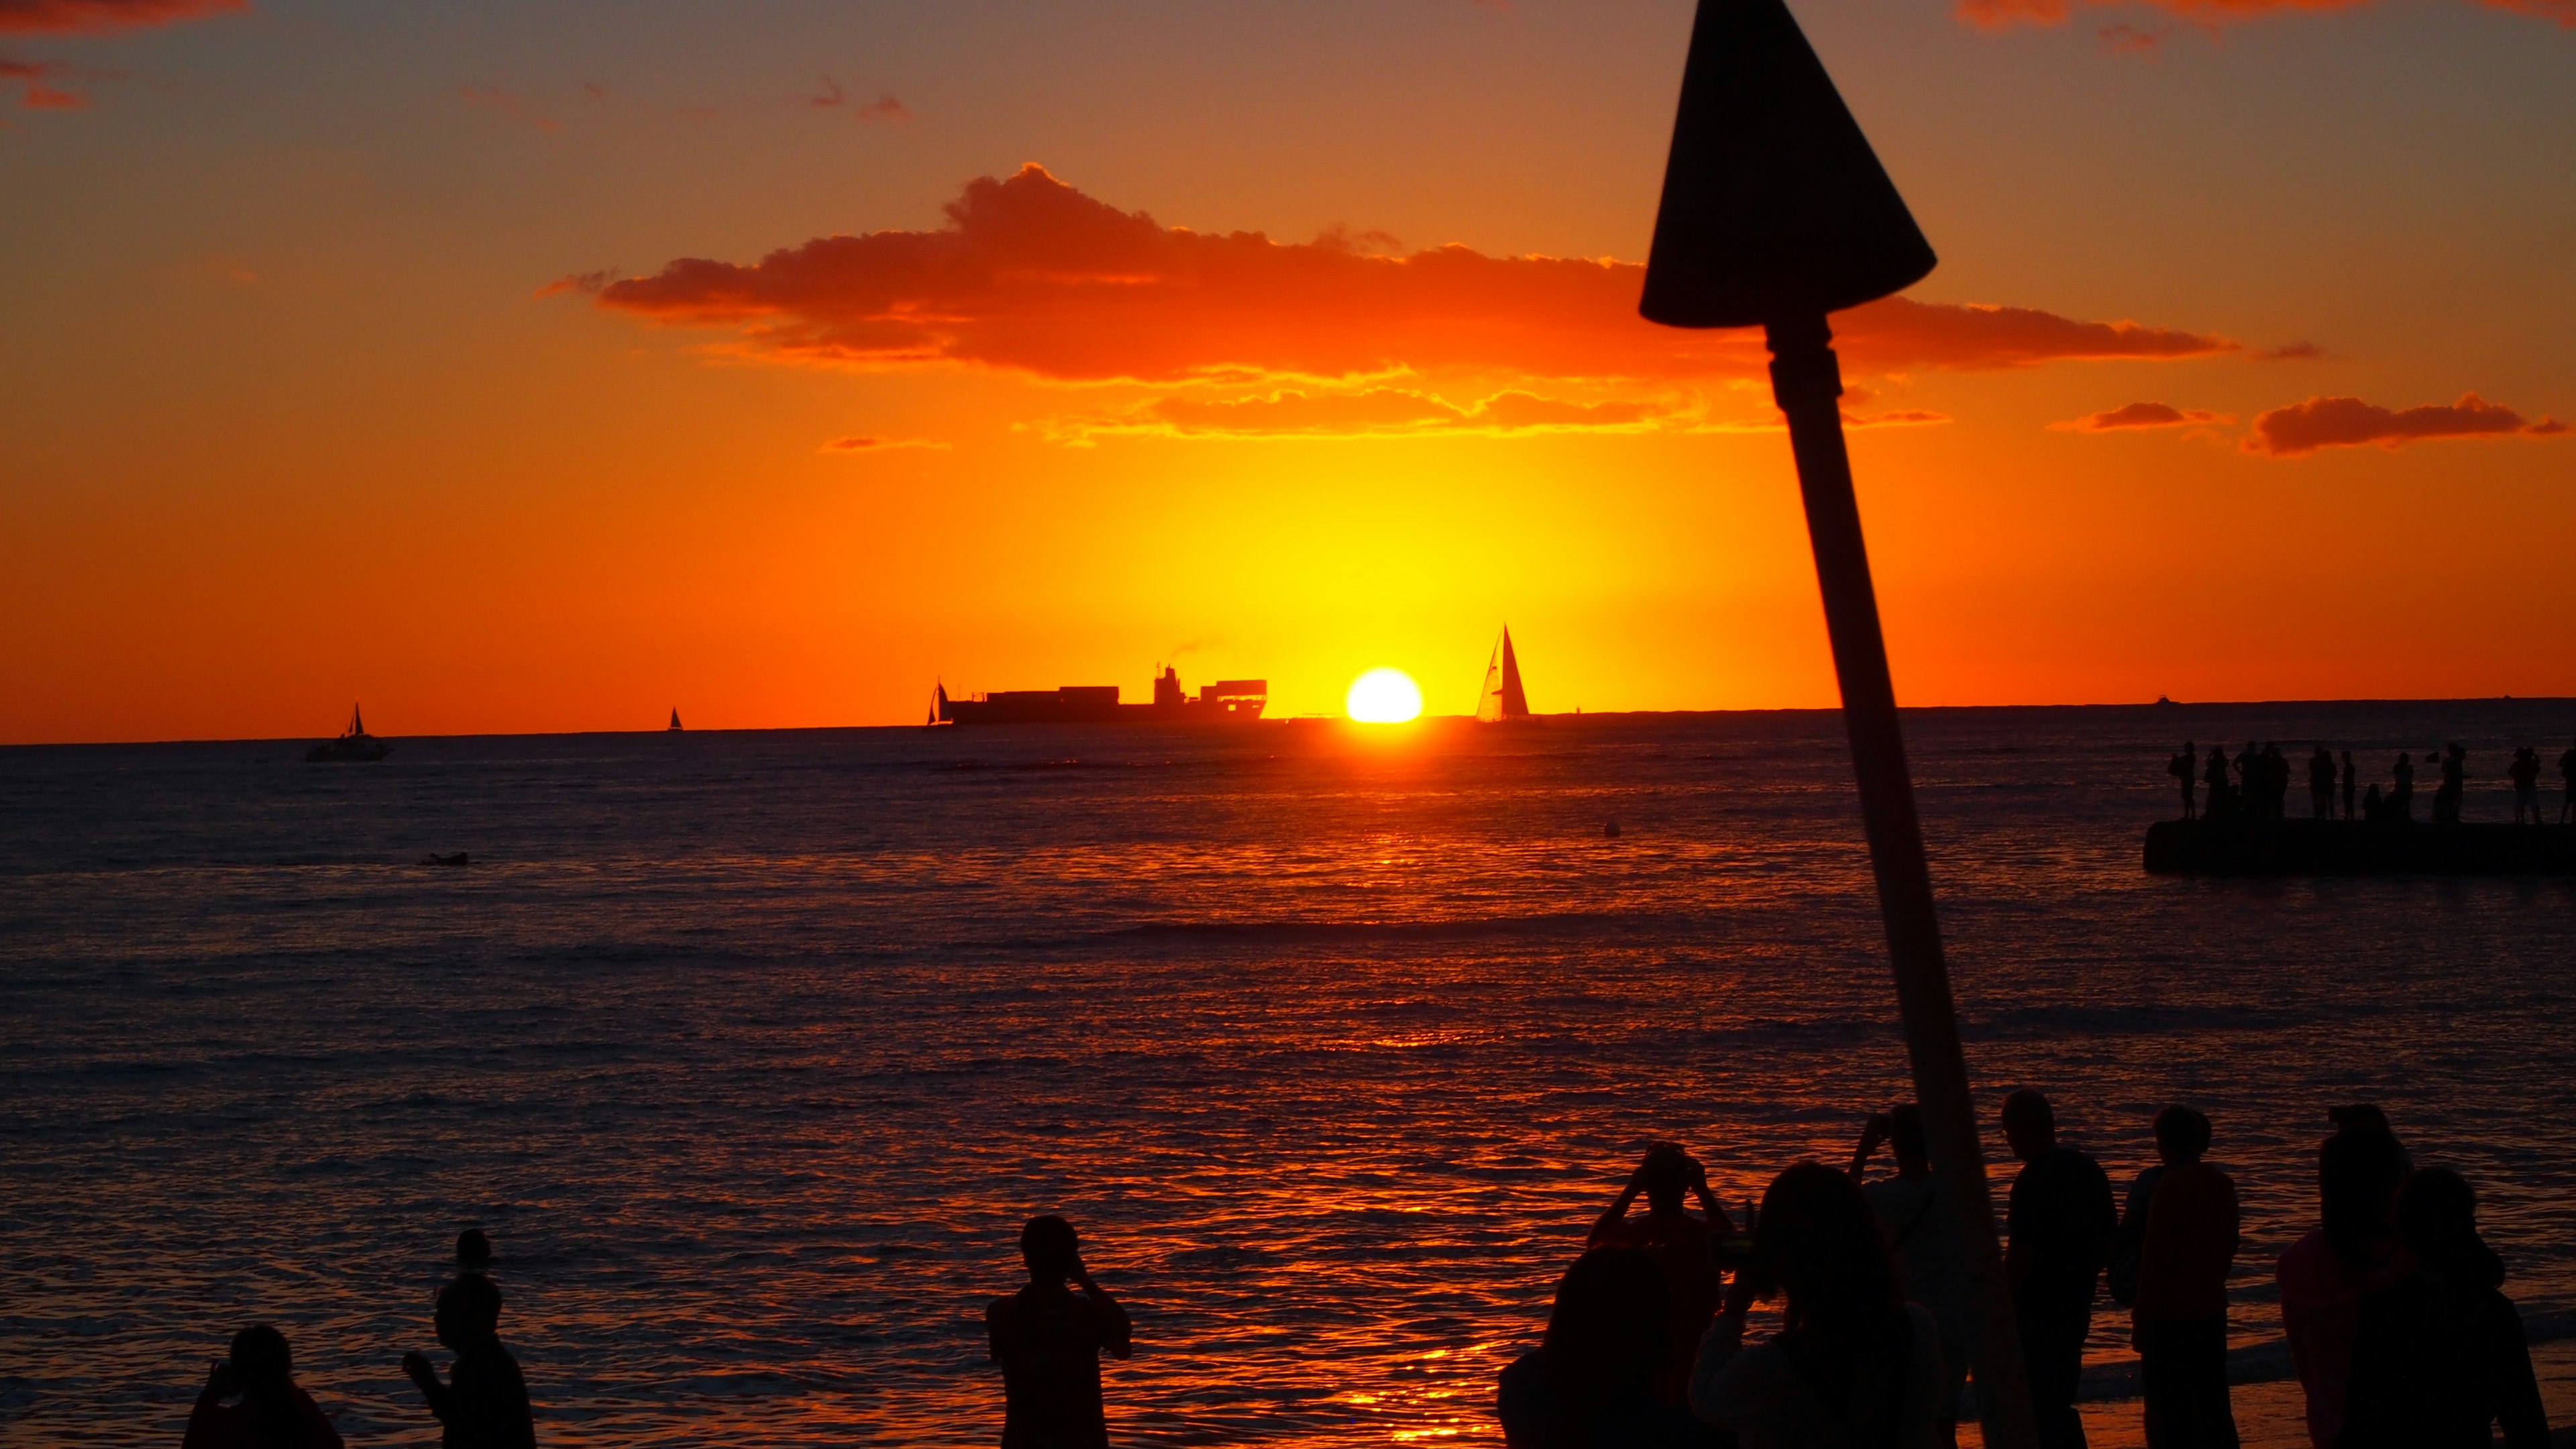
x=1384, y=696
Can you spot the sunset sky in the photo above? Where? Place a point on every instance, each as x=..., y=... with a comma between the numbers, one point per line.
x=544, y=366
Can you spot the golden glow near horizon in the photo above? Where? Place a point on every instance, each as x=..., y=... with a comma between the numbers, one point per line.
x=1384, y=696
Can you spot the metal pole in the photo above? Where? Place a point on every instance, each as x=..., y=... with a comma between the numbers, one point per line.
x=1807, y=382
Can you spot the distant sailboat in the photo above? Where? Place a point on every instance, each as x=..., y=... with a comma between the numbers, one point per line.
x=675, y=721
x=354, y=743
x=1502, y=698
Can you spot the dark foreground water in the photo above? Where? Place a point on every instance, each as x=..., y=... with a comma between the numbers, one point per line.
x=752, y=1050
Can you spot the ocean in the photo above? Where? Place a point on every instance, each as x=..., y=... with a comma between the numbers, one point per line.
x=751, y=1051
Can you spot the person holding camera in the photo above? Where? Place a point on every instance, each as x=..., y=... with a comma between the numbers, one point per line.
x=1926, y=1253
x=1678, y=1244
x=273, y=1412
x=1049, y=1342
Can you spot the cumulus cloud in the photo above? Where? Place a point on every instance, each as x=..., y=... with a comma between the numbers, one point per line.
x=1030, y=275
x=2345, y=422
x=2001, y=14
x=2140, y=415
x=73, y=16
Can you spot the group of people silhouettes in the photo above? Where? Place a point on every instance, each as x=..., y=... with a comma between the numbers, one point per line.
x=2256, y=785
x=251, y=1400
x=2391, y=1306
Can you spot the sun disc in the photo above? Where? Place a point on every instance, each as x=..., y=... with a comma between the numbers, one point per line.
x=1384, y=696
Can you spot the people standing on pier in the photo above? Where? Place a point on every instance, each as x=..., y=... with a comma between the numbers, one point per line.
x=483, y=1402
x=1677, y=1243
x=1927, y=1261
x=273, y=1412
x=2524, y=772
x=2401, y=798
x=1591, y=1379
x=2183, y=767
x=2059, y=1225
x=2446, y=796
x=2354, y=1249
x=2439, y=1358
x=2351, y=781
x=2321, y=784
x=2215, y=777
x=1853, y=1363
x=2178, y=1322
x=1049, y=1343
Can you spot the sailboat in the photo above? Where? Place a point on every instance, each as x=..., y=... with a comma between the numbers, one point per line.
x=1502, y=698
x=354, y=743
x=675, y=721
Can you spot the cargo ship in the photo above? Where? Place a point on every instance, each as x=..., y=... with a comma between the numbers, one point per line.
x=1228, y=701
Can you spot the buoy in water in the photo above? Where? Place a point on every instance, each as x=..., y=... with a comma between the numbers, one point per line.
x=1610, y=831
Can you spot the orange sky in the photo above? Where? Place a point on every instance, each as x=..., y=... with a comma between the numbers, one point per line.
x=519, y=370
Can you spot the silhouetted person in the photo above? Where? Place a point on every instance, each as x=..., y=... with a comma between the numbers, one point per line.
x=2183, y=768
x=2351, y=782
x=273, y=1412
x=2321, y=785
x=1678, y=1245
x=1049, y=1342
x=2179, y=1320
x=1590, y=1383
x=1927, y=1260
x=2438, y=1356
x=2249, y=781
x=2446, y=796
x=2401, y=799
x=2324, y=1275
x=2525, y=775
x=473, y=1252
x=2061, y=1221
x=2276, y=782
x=2215, y=777
x=2567, y=772
x=483, y=1404
x=1853, y=1363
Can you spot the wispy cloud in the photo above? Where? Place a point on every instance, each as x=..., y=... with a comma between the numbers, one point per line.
x=884, y=108
x=60, y=17
x=1032, y=276
x=2003, y=14
x=864, y=443
x=2140, y=415
x=2346, y=422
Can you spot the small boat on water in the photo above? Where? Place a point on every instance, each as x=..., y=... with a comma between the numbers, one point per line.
x=675, y=721
x=1502, y=698
x=354, y=743
x=2356, y=847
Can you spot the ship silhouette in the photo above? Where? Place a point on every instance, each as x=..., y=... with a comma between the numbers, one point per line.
x=675, y=721
x=1502, y=698
x=1228, y=701
x=354, y=743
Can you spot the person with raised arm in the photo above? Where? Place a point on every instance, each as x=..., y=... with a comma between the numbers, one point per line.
x=1678, y=1244
x=1049, y=1342
x=1908, y=1209
x=483, y=1402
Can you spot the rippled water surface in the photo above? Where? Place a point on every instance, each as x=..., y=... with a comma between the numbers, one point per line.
x=752, y=1050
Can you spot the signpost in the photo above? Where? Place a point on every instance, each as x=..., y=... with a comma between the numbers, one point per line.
x=1775, y=213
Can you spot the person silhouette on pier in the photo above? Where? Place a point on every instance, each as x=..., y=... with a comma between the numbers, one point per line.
x=2351, y=782
x=2276, y=782
x=2178, y=1317
x=2524, y=772
x=2401, y=798
x=2060, y=1222
x=2439, y=1357
x=2567, y=772
x=2183, y=767
x=1678, y=1244
x=483, y=1403
x=2321, y=784
x=2215, y=777
x=2249, y=781
x=2446, y=796
x=1908, y=1207
x=273, y=1412
x=1049, y=1343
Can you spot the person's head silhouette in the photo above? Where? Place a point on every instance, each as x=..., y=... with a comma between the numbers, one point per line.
x=1607, y=1332
x=1905, y=1134
x=2030, y=1124
x=1049, y=1247
x=262, y=1371
x=1665, y=1177
x=2182, y=1135
x=2437, y=1215
x=469, y=1311
x=2359, y=1170
x=1818, y=1242
x=473, y=1251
